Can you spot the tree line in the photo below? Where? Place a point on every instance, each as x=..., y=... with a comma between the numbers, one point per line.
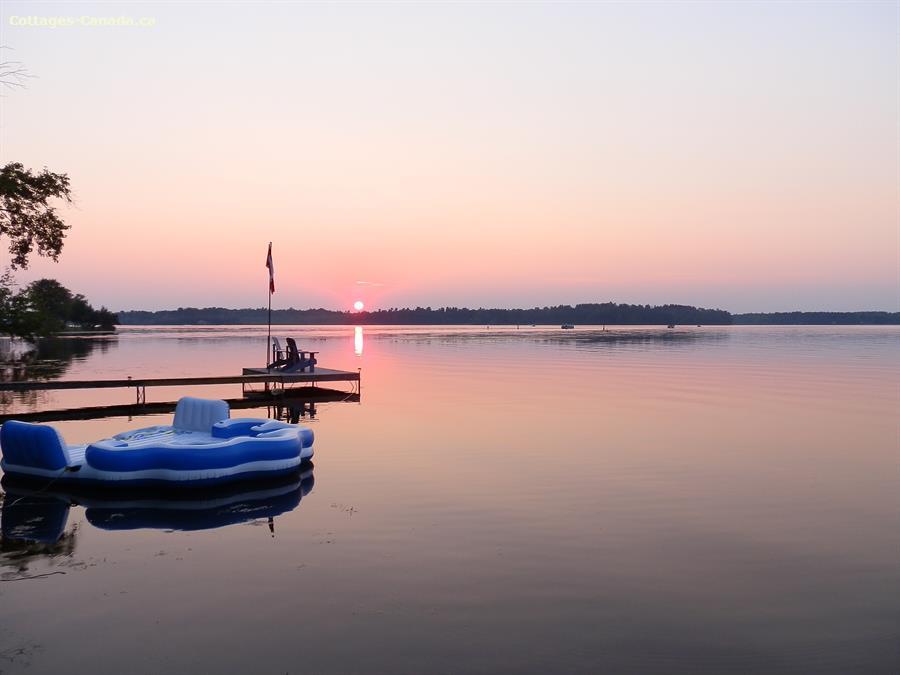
x=819, y=318
x=46, y=307
x=605, y=313
x=609, y=313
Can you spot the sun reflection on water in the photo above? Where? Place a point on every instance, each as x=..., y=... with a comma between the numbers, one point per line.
x=358, y=340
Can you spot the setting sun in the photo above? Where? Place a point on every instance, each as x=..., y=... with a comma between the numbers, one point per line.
x=358, y=305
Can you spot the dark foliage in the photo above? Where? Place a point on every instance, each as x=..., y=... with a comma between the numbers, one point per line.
x=46, y=307
x=26, y=216
x=606, y=313
x=820, y=318
x=13, y=309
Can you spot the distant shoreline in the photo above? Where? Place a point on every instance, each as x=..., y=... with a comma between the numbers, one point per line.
x=584, y=314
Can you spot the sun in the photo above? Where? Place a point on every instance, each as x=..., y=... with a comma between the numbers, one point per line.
x=358, y=305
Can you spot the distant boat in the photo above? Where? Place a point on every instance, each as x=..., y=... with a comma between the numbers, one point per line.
x=568, y=326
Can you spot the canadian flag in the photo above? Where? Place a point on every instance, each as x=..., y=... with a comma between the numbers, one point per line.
x=271, y=267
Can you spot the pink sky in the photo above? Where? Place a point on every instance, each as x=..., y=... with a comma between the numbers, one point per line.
x=738, y=155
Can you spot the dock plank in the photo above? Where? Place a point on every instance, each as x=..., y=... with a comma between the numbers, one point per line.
x=255, y=375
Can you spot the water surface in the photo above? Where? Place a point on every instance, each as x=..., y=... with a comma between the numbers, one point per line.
x=710, y=499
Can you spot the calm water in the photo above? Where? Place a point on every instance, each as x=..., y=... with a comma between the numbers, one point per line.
x=704, y=500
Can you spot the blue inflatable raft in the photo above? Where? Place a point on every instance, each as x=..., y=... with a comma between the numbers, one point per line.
x=202, y=446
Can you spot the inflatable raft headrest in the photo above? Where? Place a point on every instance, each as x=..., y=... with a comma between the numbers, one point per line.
x=33, y=445
x=199, y=414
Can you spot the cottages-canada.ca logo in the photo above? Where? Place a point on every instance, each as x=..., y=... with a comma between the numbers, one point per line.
x=82, y=21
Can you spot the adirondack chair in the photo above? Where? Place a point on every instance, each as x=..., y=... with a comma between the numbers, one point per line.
x=279, y=355
x=298, y=361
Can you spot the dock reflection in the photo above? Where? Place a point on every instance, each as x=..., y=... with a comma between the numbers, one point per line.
x=293, y=412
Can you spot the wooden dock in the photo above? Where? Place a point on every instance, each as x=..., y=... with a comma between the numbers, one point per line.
x=251, y=375
x=277, y=386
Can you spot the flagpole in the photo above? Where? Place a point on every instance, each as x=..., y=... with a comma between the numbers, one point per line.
x=269, y=332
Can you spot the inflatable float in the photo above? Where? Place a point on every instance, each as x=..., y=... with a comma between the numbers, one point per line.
x=202, y=446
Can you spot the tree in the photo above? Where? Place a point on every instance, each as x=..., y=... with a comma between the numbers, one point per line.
x=12, y=74
x=50, y=304
x=30, y=222
x=15, y=319
x=104, y=319
x=27, y=217
x=46, y=307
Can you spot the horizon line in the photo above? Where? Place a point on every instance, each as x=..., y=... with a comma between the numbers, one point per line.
x=510, y=309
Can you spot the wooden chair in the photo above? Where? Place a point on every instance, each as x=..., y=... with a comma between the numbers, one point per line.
x=279, y=355
x=298, y=361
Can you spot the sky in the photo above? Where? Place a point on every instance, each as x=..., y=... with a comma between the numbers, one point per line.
x=740, y=155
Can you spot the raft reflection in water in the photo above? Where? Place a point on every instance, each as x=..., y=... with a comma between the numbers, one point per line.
x=32, y=515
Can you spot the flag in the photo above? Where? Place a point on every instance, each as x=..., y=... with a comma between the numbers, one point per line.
x=271, y=267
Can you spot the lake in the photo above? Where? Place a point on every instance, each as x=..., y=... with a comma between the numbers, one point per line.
x=696, y=500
